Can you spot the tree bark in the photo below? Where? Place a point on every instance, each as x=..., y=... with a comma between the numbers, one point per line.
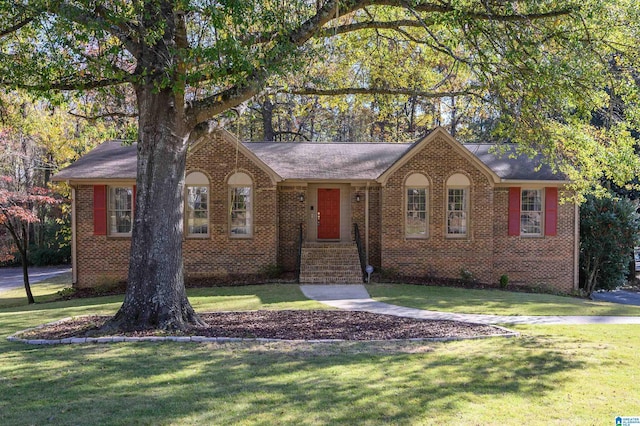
x=156, y=296
x=25, y=266
x=269, y=135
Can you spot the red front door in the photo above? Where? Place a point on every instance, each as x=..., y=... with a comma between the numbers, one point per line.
x=328, y=214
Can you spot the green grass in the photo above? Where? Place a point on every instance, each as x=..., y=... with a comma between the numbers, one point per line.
x=560, y=375
x=496, y=302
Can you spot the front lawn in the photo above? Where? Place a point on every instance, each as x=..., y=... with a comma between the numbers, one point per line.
x=583, y=375
x=495, y=302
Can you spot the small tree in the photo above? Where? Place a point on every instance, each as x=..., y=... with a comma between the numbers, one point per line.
x=18, y=207
x=608, y=232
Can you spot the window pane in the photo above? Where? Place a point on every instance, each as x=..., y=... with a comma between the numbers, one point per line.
x=531, y=212
x=416, y=219
x=120, y=209
x=241, y=211
x=197, y=210
x=531, y=200
x=457, y=211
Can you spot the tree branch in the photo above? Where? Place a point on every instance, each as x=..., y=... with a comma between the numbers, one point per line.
x=100, y=116
x=288, y=132
x=202, y=110
x=308, y=91
x=80, y=85
x=368, y=25
x=98, y=16
x=15, y=27
x=427, y=7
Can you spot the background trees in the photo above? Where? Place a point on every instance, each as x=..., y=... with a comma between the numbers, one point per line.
x=18, y=206
x=533, y=70
x=36, y=138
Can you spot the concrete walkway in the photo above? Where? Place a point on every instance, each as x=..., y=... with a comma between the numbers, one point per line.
x=354, y=297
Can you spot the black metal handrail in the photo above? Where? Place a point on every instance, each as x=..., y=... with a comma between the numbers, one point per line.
x=361, y=254
x=299, y=259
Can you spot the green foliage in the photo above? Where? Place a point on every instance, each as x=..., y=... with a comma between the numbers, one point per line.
x=66, y=293
x=54, y=247
x=608, y=232
x=388, y=274
x=466, y=275
x=504, y=281
x=271, y=271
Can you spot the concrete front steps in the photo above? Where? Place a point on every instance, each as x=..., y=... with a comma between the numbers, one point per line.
x=330, y=263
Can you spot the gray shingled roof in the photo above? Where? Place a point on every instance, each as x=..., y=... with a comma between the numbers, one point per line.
x=109, y=160
x=520, y=167
x=308, y=161
x=328, y=161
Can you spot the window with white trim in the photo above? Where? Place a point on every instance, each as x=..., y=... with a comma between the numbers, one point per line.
x=458, y=205
x=120, y=212
x=531, y=212
x=241, y=205
x=416, y=212
x=197, y=205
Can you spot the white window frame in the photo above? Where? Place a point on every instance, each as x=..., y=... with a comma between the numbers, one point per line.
x=457, y=182
x=237, y=181
x=198, y=182
x=528, y=215
x=113, y=211
x=416, y=182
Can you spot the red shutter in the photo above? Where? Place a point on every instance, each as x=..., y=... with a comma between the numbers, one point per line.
x=514, y=211
x=99, y=210
x=550, y=211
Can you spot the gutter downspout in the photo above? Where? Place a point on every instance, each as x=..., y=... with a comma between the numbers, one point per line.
x=74, y=236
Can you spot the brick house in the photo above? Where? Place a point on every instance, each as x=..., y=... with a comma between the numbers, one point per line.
x=434, y=208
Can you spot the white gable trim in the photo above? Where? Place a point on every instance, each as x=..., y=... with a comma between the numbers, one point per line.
x=455, y=145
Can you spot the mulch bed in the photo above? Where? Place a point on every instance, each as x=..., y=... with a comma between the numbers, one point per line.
x=287, y=325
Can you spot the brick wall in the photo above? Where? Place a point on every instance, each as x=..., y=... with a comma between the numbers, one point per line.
x=437, y=255
x=291, y=213
x=487, y=252
x=535, y=261
x=221, y=254
x=101, y=259
x=104, y=259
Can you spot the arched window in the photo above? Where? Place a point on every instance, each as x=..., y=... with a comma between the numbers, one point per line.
x=241, y=205
x=416, y=207
x=458, y=205
x=197, y=204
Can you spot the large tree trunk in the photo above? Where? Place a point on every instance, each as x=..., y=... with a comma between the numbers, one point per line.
x=155, y=296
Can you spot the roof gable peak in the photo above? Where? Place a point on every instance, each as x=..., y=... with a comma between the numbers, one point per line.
x=457, y=146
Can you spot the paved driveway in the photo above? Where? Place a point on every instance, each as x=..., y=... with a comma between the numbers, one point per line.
x=12, y=277
x=617, y=296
